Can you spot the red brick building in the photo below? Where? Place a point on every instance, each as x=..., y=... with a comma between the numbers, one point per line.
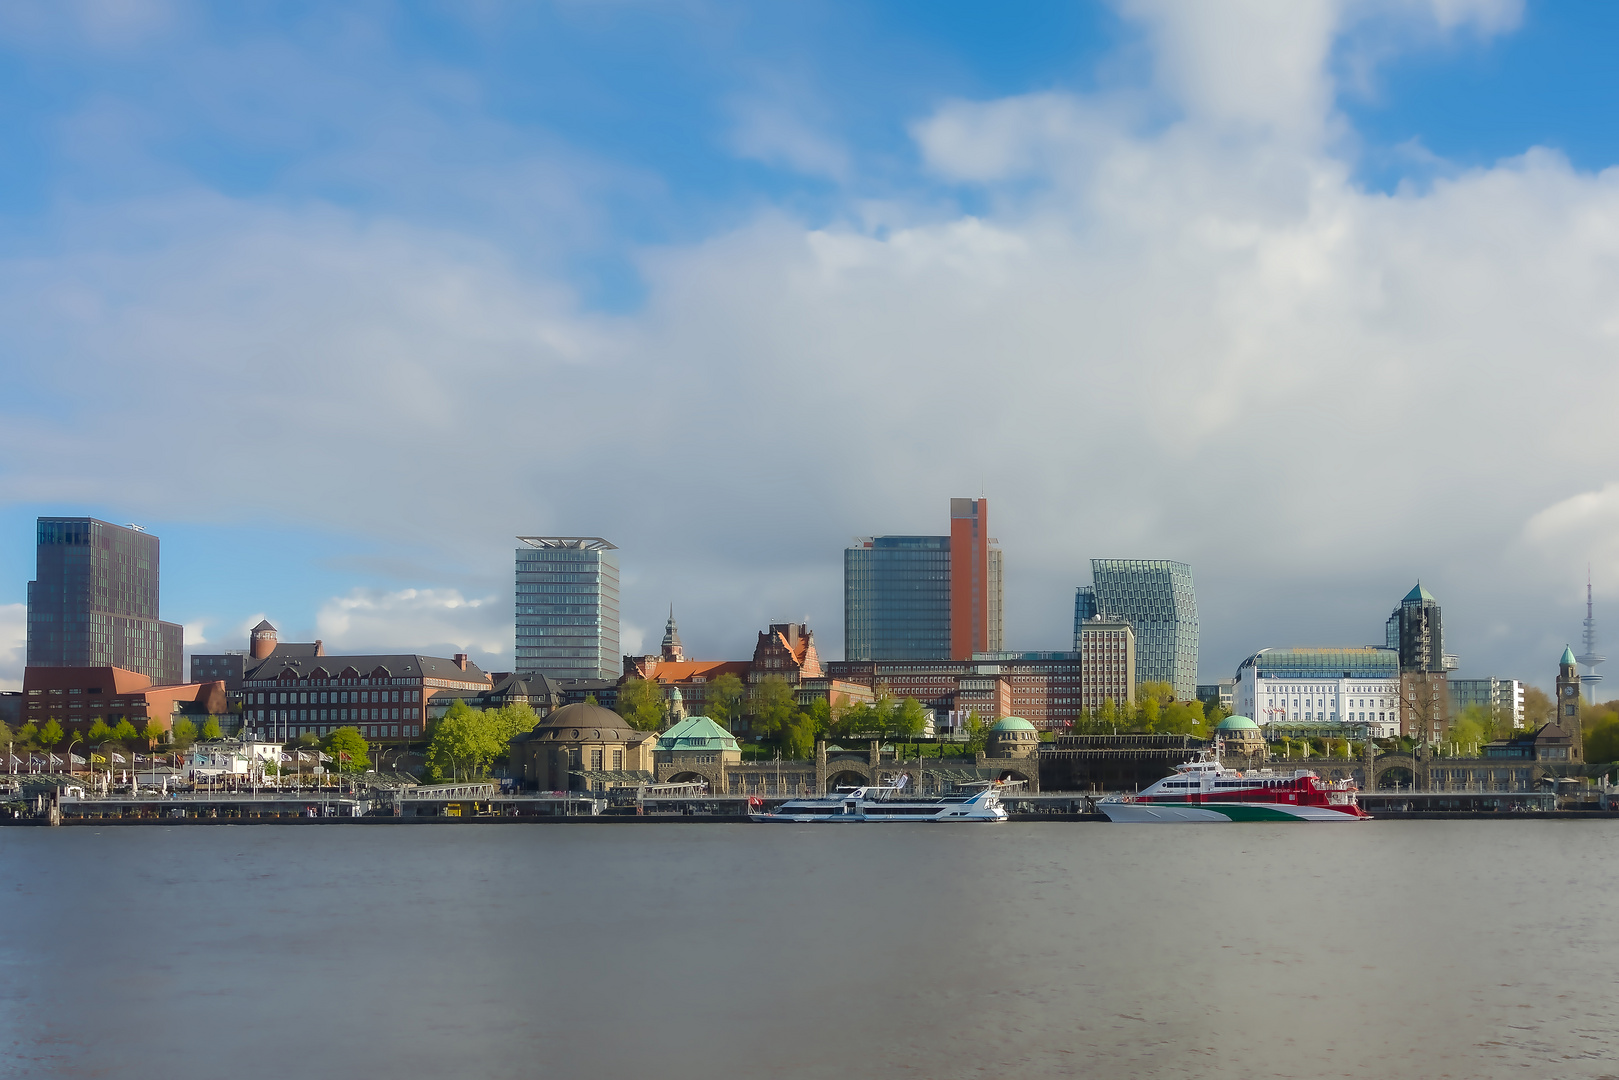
x=1042, y=688
x=292, y=689
x=76, y=697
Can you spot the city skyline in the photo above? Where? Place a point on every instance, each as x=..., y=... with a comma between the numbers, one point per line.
x=697, y=227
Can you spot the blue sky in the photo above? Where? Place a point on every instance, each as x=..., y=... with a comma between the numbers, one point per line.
x=337, y=300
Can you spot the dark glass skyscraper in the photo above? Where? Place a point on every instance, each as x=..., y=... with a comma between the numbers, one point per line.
x=896, y=599
x=926, y=597
x=1156, y=597
x=94, y=601
x=1416, y=629
x=567, y=608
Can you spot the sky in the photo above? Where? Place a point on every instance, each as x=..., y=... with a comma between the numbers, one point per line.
x=1321, y=298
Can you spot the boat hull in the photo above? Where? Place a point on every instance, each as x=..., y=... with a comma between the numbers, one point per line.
x=1217, y=813
x=875, y=819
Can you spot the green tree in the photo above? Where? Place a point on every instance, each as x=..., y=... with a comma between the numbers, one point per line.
x=305, y=740
x=153, y=733
x=910, y=719
x=1181, y=718
x=855, y=718
x=590, y=699
x=28, y=734
x=464, y=743
x=1471, y=729
x=184, y=732
x=511, y=721
x=348, y=750
x=6, y=735
x=724, y=698
x=1538, y=709
x=640, y=702
x=818, y=720
x=125, y=731
x=1602, y=739
x=1107, y=717
x=977, y=733
x=210, y=728
x=772, y=705
x=798, y=737
x=50, y=734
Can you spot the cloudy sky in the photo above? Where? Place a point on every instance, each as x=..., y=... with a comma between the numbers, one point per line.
x=1322, y=298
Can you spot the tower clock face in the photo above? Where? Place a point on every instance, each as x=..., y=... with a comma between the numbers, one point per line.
x=1568, y=691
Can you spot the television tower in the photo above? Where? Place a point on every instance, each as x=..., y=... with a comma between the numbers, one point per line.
x=1590, y=658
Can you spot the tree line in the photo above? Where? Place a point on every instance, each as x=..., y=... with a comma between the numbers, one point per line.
x=1155, y=712
x=49, y=735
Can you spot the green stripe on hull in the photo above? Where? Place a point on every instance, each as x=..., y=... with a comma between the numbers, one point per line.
x=1250, y=812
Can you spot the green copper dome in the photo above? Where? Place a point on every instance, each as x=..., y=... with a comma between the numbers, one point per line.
x=1236, y=723
x=1419, y=595
x=1568, y=656
x=697, y=733
x=1012, y=723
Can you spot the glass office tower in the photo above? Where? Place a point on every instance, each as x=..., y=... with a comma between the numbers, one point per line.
x=896, y=598
x=567, y=608
x=94, y=601
x=1156, y=597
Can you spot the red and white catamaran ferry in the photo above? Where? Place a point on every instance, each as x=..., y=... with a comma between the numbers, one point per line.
x=1205, y=790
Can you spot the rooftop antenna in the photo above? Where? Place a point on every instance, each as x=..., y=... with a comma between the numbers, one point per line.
x=1590, y=658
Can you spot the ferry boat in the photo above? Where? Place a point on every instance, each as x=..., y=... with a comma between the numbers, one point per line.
x=1205, y=790
x=979, y=801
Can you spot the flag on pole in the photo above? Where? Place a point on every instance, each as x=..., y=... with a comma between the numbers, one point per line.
x=119, y=758
x=77, y=760
x=56, y=760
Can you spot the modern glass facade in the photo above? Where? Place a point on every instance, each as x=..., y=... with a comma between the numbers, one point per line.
x=1084, y=610
x=94, y=601
x=567, y=608
x=1417, y=630
x=896, y=599
x=1157, y=599
x=1351, y=663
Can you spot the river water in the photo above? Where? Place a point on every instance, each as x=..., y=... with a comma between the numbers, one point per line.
x=1384, y=949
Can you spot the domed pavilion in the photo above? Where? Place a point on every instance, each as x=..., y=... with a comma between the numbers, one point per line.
x=1239, y=735
x=1012, y=736
x=582, y=747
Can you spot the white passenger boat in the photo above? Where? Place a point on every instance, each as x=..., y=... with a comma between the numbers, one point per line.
x=1205, y=790
x=979, y=801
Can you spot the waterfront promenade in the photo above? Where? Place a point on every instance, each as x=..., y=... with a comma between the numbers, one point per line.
x=486, y=804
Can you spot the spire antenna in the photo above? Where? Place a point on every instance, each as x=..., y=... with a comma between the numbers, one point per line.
x=1590, y=658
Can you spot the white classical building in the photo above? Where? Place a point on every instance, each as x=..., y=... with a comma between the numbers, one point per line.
x=1347, y=685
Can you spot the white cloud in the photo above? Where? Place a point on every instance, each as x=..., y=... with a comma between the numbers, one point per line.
x=1199, y=340
x=438, y=622
x=13, y=645
x=1581, y=528
x=775, y=134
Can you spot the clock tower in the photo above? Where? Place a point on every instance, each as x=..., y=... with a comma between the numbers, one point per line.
x=1568, y=704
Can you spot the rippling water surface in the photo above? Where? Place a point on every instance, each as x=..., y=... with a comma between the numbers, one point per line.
x=1389, y=949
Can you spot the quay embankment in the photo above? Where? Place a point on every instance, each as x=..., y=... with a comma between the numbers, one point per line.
x=485, y=804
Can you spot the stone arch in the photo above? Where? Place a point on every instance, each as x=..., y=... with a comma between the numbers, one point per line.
x=1393, y=770
x=1002, y=772
x=686, y=777
x=1394, y=777
x=847, y=774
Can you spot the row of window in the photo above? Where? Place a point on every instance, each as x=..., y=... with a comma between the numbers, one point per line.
x=370, y=731
x=332, y=697
x=326, y=716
